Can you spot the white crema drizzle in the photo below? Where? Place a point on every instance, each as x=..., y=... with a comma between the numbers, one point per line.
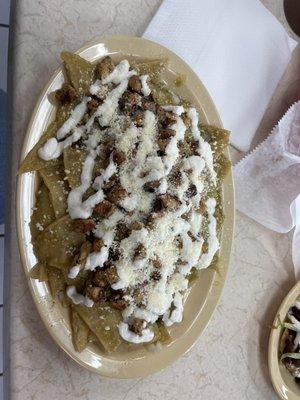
x=145, y=87
x=78, y=298
x=204, y=147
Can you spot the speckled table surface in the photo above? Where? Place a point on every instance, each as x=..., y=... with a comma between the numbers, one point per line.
x=230, y=359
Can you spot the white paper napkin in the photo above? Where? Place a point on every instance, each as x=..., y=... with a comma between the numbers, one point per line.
x=238, y=49
x=267, y=181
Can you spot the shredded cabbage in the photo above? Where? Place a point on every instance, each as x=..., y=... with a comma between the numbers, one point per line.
x=295, y=356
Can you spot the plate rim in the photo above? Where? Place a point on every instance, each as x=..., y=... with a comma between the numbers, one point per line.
x=229, y=234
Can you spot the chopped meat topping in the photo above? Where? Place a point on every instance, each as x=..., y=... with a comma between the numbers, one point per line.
x=143, y=174
x=166, y=202
x=180, y=262
x=135, y=84
x=107, y=147
x=157, y=263
x=192, y=190
x=150, y=223
x=194, y=147
x=111, y=182
x=96, y=293
x=84, y=225
x=156, y=275
x=166, y=133
x=202, y=207
x=178, y=242
x=205, y=247
x=138, y=118
x=117, y=301
x=140, y=252
x=148, y=104
x=189, y=148
x=104, y=68
x=122, y=231
x=104, y=209
x=165, y=118
x=129, y=102
x=162, y=144
x=119, y=157
x=116, y=194
x=66, y=94
x=92, y=105
x=97, y=244
x=111, y=275
x=104, y=277
x=136, y=226
x=85, y=250
x=186, y=120
x=114, y=253
x=176, y=178
x=81, y=257
x=186, y=216
x=138, y=295
x=151, y=186
x=137, y=326
x=99, y=278
x=192, y=236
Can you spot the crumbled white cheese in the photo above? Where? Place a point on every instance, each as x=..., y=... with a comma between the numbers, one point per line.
x=126, y=275
x=128, y=139
x=130, y=203
x=39, y=226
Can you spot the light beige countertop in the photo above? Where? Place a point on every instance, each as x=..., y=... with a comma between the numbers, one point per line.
x=229, y=361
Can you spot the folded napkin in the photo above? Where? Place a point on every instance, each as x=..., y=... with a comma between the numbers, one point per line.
x=238, y=49
x=267, y=181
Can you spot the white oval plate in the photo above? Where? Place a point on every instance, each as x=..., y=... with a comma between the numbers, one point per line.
x=205, y=293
